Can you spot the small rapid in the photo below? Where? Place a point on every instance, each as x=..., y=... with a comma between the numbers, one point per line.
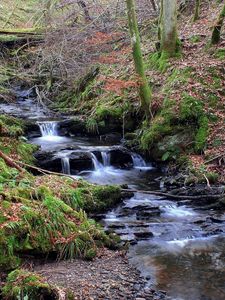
x=48, y=128
x=175, y=244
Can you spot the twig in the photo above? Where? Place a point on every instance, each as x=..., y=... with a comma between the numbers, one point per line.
x=216, y=157
x=207, y=180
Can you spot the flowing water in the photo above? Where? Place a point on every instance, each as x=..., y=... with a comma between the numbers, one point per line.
x=179, y=247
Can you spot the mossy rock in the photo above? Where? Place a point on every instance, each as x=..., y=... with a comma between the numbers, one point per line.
x=171, y=146
x=22, y=284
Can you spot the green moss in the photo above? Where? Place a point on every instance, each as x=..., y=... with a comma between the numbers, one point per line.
x=104, y=112
x=190, y=107
x=35, y=218
x=195, y=39
x=92, y=125
x=157, y=129
x=220, y=54
x=176, y=78
x=158, y=61
x=22, y=284
x=6, y=173
x=93, y=199
x=10, y=126
x=202, y=134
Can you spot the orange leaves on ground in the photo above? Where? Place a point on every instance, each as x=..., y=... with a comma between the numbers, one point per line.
x=60, y=239
x=100, y=38
x=12, y=214
x=117, y=85
x=111, y=58
x=197, y=160
x=115, y=56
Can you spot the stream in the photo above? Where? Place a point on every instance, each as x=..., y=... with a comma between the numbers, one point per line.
x=178, y=247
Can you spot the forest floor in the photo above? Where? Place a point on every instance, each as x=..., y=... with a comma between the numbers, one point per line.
x=109, y=276
x=197, y=76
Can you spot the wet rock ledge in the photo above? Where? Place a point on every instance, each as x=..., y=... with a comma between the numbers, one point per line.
x=108, y=277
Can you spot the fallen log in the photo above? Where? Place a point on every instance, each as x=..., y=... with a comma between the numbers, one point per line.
x=10, y=162
x=43, y=171
x=169, y=195
x=22, y=31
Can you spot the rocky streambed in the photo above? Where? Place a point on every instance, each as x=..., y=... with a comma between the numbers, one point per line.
x=177, y=246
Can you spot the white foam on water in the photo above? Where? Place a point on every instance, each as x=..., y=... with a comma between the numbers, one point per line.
x=65, y=161
x=48, y=128
x=177, y=211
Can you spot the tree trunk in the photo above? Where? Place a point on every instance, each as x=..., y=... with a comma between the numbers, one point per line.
x=144, y=90
x=153, y=5
x=217, y=28
x=197, y=9
x=168, y=28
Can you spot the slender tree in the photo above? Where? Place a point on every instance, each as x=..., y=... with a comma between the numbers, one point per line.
x=218, y=26
x=197, y=10
x=153, y=5
x=144, y=89
x=169, y=41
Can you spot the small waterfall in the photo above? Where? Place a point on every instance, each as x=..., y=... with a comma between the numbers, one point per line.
x=138, y=161
x=48, y=128
x=106, y=157
x=97, y=165
x=65, y=161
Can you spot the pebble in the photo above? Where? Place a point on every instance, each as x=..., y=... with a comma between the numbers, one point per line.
x=110, y=276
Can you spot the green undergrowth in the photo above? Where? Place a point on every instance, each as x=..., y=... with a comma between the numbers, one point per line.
x=47, y=214
x=182, y=122
x=12, y=141
x=22, y=284
x=158, y=61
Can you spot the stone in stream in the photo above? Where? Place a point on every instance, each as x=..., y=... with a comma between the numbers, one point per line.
x=79, y=161
x=145, y=215
x=143, y=235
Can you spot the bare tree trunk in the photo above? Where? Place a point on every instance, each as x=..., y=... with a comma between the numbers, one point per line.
x=144, y=91
x=153, y=5
x=197, y=9
x=217, y=28
x=168, y=28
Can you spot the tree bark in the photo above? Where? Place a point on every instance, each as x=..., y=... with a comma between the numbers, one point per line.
x=218, y=26
x=144, y=89
x=197, y=9
x=153, y=5
x=168, y=28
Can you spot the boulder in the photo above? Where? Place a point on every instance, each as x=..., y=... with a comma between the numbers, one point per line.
x=171, y=144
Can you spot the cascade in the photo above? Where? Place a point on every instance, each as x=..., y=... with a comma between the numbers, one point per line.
x=97, y=165
x=48, y=128
x=138, y=161
x=106, y=157
x=65, y=161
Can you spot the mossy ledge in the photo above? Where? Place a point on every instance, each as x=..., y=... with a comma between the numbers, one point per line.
x=22, y=284
x=47, y=214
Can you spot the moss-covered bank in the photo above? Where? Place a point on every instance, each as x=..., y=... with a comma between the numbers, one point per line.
x=46, y=214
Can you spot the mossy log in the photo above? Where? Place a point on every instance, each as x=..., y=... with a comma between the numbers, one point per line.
x=21, y=31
